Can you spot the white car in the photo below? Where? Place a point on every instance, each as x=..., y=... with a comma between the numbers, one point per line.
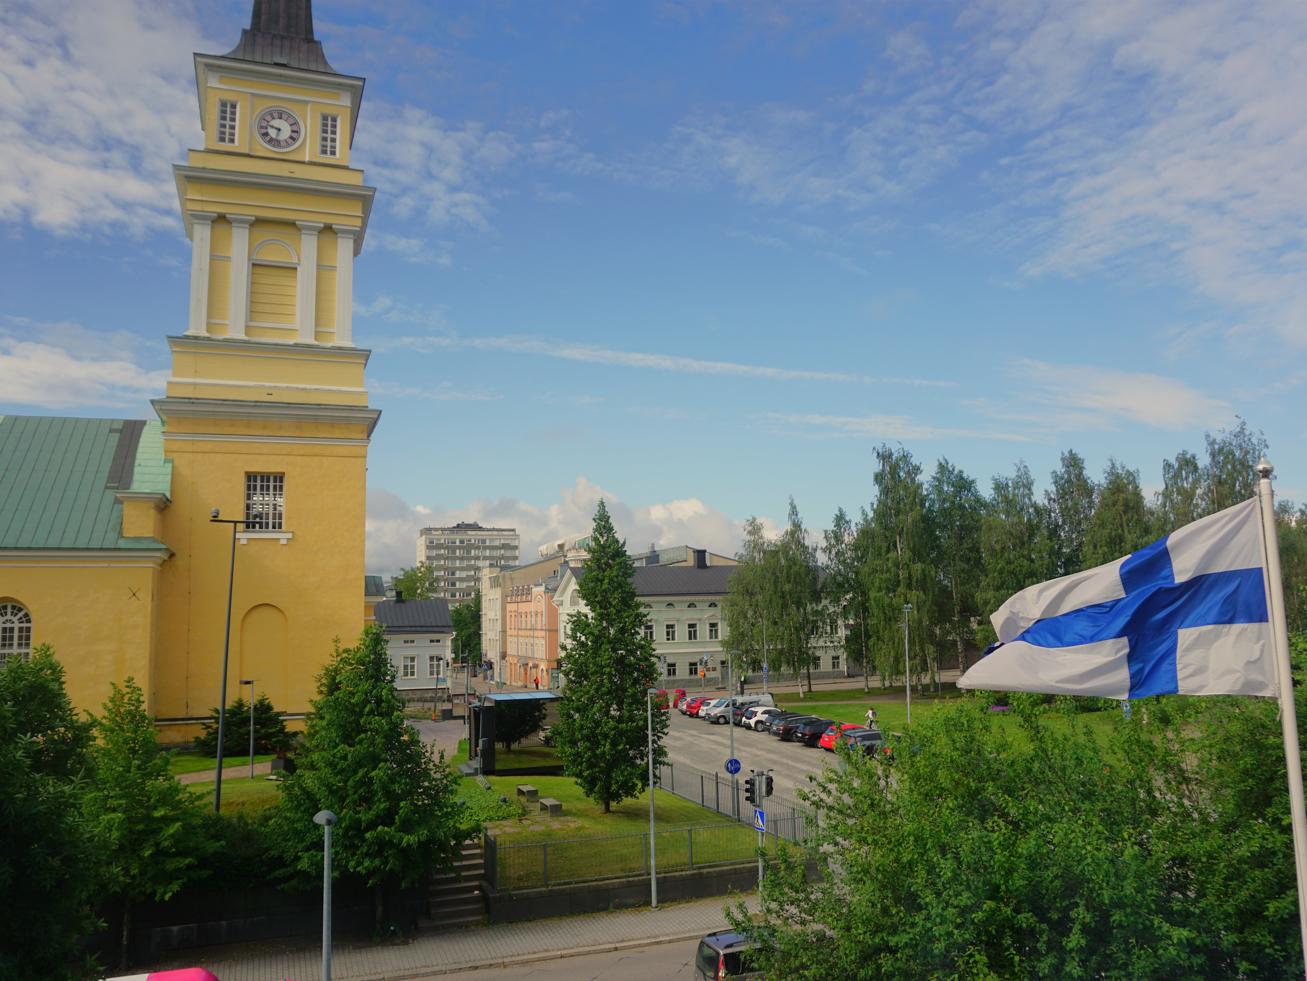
x=758, y=715
x=718, y=711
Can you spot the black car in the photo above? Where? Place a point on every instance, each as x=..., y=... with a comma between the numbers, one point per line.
x=870, y=741
x=722, y=955
x=785, y=728
x=810, y=731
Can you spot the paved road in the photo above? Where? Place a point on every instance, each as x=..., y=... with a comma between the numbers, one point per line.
x=706, y=746
x=653, y=963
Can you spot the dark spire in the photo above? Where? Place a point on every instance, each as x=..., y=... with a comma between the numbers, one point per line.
x=281, y=33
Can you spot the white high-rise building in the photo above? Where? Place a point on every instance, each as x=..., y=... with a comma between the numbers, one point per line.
x=458, y=553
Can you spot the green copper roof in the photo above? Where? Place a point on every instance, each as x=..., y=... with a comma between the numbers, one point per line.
x=59, y=478
x=374, y=586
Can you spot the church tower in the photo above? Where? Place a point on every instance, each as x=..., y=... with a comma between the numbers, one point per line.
x=266, y=417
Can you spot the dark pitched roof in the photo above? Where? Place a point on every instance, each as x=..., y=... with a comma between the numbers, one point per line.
x=60, y=477
x=414, y=616
x=281, y=33
x=676, y=580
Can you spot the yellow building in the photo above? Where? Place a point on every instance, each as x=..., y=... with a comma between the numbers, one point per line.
x=107, y=548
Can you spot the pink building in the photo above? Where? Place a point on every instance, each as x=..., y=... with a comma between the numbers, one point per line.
x=531, y=634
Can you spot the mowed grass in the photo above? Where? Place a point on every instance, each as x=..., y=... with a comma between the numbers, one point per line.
x=523, y=755
x=179, y=762
x=239, y=793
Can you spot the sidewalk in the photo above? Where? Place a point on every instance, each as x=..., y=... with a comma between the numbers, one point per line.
x=228, y=772
x=433, y=954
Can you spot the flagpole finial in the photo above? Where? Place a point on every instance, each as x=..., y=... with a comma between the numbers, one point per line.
x=1264, y=469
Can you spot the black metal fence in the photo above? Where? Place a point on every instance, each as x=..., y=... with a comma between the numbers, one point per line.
x=538, y=864
x=785, y=818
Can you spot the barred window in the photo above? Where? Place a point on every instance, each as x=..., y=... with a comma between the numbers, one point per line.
x=227, y=109
x=327, y=145
x=15, y=633
x=265, y=501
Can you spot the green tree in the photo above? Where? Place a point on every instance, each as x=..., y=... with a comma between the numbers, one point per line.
x=1182, y=499
x=467, y=629
x=1291, y=525
x=899, y=569
x=514, y=721
x=146, y=825
x=844, y=550
x=395, y=804
x=47, y=860
x=608, y=667
x=1016, y=543
x=954, y=509
x=745, y=604
x=419, y=582
x=270, y=733
x=1070, y=503
x=1229, y=475
x=796, y=612
x=1121, y=522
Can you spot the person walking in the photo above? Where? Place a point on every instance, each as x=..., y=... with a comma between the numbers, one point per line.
x=871, y=718
x=537, y=681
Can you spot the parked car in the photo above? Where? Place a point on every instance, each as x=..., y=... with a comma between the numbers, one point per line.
x=716, y=711
x=786, y=728
x=831, y=736
x=781, y=717
x=756, y=718
x=811, y=730
x=737, y=714
x=691, y=705
x=724, y=955
x=870, y=741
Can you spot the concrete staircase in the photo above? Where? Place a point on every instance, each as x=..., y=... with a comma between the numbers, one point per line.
x=456, y=898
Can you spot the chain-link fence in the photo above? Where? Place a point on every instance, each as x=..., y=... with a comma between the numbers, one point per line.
x=537, y=864
x=785, y=818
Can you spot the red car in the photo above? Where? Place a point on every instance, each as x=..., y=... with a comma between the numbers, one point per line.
x=691, y=706
x=833, y=733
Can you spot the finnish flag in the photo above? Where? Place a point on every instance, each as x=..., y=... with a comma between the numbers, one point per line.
x=1185, y=615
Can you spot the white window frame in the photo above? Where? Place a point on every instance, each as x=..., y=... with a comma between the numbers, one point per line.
x=433, y=665
x=408, y=667
x=265, y=502
x=15, y=632
x=329, y=135
x=227, y=132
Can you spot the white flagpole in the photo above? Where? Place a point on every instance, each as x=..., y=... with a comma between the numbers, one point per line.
x=1284, y=671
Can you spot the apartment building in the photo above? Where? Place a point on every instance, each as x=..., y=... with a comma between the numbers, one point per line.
x=459, y=552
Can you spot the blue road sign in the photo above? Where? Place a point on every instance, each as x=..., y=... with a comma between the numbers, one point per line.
x=732, y=766
x=764, y=670
x=759, y=820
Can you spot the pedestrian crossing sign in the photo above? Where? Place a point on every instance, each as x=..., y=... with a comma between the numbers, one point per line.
x=759, y=820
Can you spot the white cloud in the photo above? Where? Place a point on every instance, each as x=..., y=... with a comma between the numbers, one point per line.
x=442, y=392
x=884, y=427
x=392, y=524
x=1113, y=397
x=62, y=366
x=415, y=250
x=96, y=101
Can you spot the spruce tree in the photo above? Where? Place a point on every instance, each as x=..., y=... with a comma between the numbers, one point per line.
x=608, y=666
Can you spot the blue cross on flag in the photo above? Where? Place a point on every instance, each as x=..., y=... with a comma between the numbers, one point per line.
x=1185, y=615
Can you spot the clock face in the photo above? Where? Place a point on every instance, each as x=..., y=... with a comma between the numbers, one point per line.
x=279, y=128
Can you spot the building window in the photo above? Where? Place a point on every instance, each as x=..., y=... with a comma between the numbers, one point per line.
x=432, y=665
x=409, y=640
x=714, y=630
x=671, y=669
x=835, y=663
x=265, y=501
x=648, y=630
x=227, y=110
x=15, y=633
x=691, y=631
x=669, y=631
x=410, y=666
x=691, y=606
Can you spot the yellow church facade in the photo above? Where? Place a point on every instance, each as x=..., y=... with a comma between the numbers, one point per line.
x=109, y=551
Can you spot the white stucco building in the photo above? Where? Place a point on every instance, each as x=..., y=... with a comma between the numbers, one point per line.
x=418, y=636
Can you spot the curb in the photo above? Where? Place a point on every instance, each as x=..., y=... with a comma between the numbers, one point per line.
x=546, y=955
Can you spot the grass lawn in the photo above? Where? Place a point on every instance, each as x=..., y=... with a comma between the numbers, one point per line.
x=240, y=793
x=524, y=754
x=179, y=762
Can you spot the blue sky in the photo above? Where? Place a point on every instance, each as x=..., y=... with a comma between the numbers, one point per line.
x=700, y=256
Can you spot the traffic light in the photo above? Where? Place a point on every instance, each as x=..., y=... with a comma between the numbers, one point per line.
x=767, y=788
x=751, y=791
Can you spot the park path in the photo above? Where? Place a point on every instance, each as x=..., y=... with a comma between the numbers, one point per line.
x=228, y=772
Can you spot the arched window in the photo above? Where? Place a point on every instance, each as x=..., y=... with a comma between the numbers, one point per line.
x=691, y=606
x=712, y=605
x=671, y=606
x=15, y=632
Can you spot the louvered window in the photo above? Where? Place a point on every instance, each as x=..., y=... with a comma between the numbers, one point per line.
x=265, y=501
x=227, y=112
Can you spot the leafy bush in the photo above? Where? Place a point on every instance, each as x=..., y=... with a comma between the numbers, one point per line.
x=480, y=806
x=270, y=733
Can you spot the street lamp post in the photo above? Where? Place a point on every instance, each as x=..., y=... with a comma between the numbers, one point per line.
x=653, y=848
x=326, y=819
x=226, y=651
x=250, y=682
x=907, y=664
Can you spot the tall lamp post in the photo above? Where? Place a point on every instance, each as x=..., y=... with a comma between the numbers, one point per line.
x=214, y=516
x=250, y=682
x=653, y=848
x=907, y=664
x=326, y=819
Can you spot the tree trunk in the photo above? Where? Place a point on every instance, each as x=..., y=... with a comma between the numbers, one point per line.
x=378, y=909
x=808, y=669
x=866, y=668
x=127, y=932
x=608, y=806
